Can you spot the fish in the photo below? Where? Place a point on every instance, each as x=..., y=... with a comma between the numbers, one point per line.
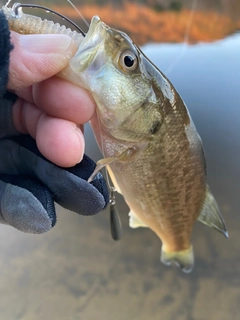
x=149, y=143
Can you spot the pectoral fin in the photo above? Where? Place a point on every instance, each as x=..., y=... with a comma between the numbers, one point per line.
x=210, y=214
x=135, y=222
x=100, y=165
x=124, y=156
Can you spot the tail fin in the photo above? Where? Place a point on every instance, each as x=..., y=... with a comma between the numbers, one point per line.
x=183, y=259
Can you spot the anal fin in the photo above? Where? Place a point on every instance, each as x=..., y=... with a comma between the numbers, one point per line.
x=210, y=214
x=183, y=259
x=135, y=222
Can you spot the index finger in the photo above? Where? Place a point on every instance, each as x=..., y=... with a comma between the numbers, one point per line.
x=62, y=99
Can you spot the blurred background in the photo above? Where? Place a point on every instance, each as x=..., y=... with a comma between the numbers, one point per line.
x=77, y=271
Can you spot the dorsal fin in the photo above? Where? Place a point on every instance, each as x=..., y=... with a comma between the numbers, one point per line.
x=210, y=214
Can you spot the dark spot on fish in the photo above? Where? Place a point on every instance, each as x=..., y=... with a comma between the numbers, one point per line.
x=155, y=127
x=158, y=85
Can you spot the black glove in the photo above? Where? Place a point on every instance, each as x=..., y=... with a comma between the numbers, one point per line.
x=29, y=183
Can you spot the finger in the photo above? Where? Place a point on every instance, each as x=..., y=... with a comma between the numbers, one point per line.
x=25, y=117
x=26, y=204
x=68, y=187
x=59, y=98
x=59, y=140
x=25, y=93
x=37, y=57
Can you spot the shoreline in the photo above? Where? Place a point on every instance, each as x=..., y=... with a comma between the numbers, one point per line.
x=145, y=25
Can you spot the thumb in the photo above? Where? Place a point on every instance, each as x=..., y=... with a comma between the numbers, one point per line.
x=38, y=57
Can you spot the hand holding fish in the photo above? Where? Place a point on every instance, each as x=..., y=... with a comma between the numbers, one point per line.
x=50, y=109
x=29, y=183
x=150, y=145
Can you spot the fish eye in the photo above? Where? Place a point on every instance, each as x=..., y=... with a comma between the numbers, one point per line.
x=128, y=61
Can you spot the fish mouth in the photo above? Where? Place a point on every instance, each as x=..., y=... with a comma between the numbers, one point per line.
x=90, y=44
x=93, y=26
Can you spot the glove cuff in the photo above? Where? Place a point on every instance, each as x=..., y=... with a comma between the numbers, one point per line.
x=6, y=47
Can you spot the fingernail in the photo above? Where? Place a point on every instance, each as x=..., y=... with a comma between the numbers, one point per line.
x=46, y=43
